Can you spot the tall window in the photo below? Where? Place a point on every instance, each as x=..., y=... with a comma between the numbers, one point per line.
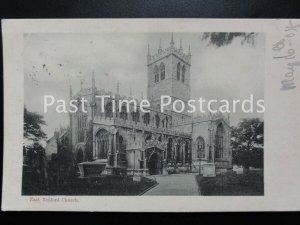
x=146, y=118
x=169, y=149
x=108, y=110
x=183, y=74
x=102, y=140
x=178, y=71
x=81, y=124
x=157, y=120
x=178, y=153
x=123, y=114
x=186, y=152
x=156, y=75
x=136, y=116
x=200, y=144
x=162, y=71
x=219, y=141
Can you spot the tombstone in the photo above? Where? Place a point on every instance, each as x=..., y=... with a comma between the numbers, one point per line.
x=239, y=170
x=208, y=169
x=136, y=178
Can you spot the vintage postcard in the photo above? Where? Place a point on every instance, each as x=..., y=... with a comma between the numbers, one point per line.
x=151, y=115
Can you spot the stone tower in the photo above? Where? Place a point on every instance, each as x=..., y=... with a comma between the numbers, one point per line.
x=169, y=74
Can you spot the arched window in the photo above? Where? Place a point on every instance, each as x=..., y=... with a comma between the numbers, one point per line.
x=183, y=74
x=178, y=153
x=162, y=71
x=156, y=75
x=200, y=144
x=146, y=118
x=136, y=116
x=178, y=71
x=186, y=152
x=123, y=114
x=169, y=149
x=157, y=120
x=102, y=142
x=219, y=141
x=81, y=124
x=108, y=110
x=121, y=143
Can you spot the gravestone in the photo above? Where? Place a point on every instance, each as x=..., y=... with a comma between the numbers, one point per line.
x=209, y=169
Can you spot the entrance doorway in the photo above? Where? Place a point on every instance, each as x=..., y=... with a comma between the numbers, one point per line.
x=79, y=156
x=154, y=164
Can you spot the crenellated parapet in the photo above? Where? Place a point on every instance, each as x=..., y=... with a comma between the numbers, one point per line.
x=168, y=51
x=211, y=117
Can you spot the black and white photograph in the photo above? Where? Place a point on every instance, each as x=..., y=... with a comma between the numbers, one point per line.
x=153, y=114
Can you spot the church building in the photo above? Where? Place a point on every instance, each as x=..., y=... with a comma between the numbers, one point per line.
x=137, y=143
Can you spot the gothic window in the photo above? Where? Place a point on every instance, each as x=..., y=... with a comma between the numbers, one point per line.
x=178, y=71
x=169, y=149
x=146, y=118
x=123, y=114
x=178, y=153
x=186, y=152
x=166, y=122
x=136, y=116
x=157, y=120
x=156, y=74
x=200, y=144
x=162, y=71
x=102, y=141
x=81, y=124
x=219, y=141
x=183, y=74
x=108, y=110
x=121, y=144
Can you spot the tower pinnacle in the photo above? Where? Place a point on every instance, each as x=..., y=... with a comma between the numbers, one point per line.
x=81, y=85
x=172, y=40
x=93, y=80
x=118, y=87
x=189, y=53
x=148, y=50
x=160, y=44
x=180, y=48
x=71, y=94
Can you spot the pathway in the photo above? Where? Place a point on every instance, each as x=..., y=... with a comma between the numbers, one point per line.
x=175, y=184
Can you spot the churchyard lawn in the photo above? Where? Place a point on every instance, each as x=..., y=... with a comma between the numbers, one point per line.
x=232, y=184
x=106, y=185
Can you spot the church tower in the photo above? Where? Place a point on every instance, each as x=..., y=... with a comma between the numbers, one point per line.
x=169, y=74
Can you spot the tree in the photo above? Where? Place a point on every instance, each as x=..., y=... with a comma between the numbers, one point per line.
x=34, y=153
x=248, y=134
x=247, y=140
x=32, y=126
x=220, y=39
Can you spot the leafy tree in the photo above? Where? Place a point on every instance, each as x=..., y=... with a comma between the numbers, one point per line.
x=247, y=140
x=220, y=39
x=248, y=134
x=32, y=126
x=34, y=153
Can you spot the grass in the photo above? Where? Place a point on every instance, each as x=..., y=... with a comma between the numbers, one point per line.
x=106, y=185
x=232, y=184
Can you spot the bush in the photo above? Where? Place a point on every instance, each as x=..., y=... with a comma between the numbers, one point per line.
x=247, y=158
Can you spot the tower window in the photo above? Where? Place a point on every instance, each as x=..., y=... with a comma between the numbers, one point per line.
x=178, y=71
x=156, y=75
x=200, y=144
x=162, y=71
x=183, y=74
x=146, y=118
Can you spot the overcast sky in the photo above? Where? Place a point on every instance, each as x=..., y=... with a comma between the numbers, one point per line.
x=53, y=62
